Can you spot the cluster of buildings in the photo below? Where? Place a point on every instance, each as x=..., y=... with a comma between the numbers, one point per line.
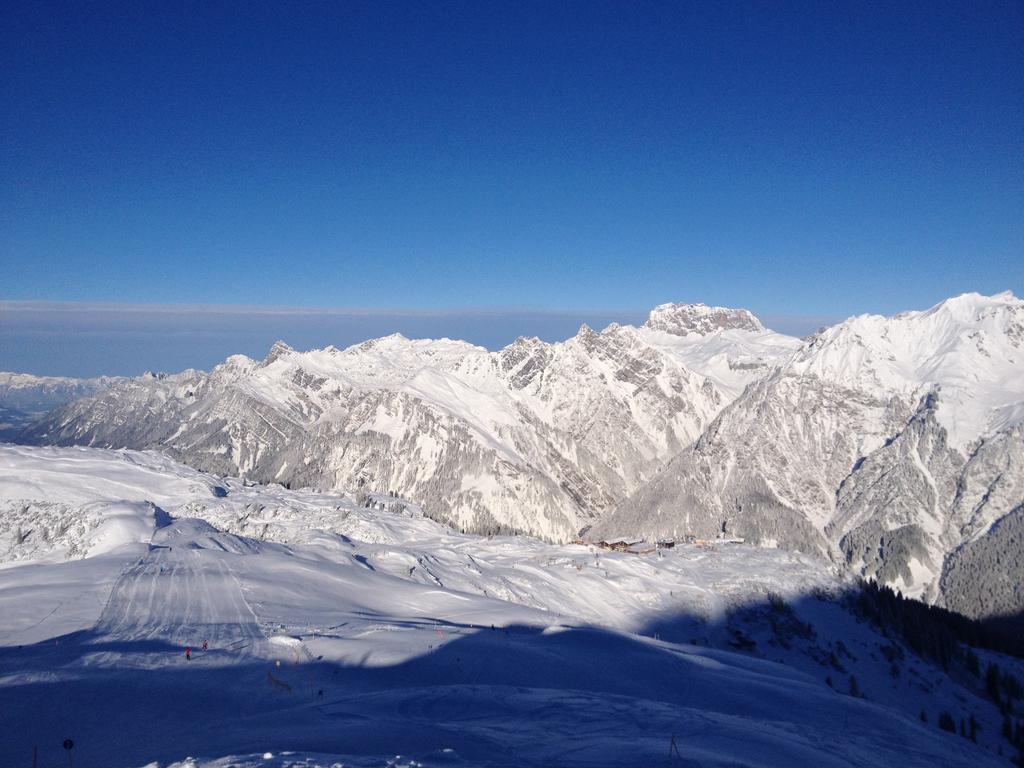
x=642, y=547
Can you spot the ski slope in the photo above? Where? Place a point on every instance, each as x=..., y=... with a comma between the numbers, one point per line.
x=344, y=635
x=174, y=598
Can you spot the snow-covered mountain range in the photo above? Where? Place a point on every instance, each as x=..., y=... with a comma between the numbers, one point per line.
x=537, y=437
x=891, y=444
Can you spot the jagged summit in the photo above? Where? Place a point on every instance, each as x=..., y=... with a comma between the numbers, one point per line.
x=684, y=319
x=278, y=349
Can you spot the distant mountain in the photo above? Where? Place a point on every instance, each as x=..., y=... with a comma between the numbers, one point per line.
x=537, y=437
x=895, y=444
x=25, y=398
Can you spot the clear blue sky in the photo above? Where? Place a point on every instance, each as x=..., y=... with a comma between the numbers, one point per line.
x=819, y=158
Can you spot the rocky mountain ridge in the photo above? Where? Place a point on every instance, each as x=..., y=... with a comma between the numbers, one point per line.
x=536, y=437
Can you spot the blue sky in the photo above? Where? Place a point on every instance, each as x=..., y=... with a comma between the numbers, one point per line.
x=818, y=159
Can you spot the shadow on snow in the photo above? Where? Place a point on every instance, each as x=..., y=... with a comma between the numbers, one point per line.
x=519, y=695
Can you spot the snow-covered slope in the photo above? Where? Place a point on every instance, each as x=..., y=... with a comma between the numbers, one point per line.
x=888, y=442
x=24, y=398
x=538, y=437
x=339, y=633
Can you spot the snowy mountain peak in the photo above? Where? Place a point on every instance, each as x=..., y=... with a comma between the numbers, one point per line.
x=237, y=363
x=279, y=349
x=392, y=342
x=684, y=319
x=968, y=346
x=973, y=304
x=25, y=398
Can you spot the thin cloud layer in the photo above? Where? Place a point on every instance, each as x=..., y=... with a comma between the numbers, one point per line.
x=72, y=339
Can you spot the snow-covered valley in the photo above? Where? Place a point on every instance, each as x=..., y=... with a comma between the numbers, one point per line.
x=344, y=634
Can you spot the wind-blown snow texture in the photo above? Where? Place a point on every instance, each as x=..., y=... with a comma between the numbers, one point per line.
x=886, y=443
x=342, y=634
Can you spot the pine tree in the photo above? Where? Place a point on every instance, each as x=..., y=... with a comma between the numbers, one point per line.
x=963, y=728
x=946, y=722
x=854, y=688
x=992, y=682
x=972, y=726
x=924, y=716
x=1007, y=728
x=1012, y=686
x=971, y=660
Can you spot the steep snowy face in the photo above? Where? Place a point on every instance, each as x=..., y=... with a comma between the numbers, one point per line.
x=538, y=437
x=876, y=442
x=970, y=348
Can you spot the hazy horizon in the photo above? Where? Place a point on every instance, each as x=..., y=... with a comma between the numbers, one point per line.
x=85, y=340
x=81, y=340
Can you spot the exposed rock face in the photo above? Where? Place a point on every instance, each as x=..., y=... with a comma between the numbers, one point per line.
x=683, y=319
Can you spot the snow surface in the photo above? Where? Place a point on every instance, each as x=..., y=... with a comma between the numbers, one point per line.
x=348, y=635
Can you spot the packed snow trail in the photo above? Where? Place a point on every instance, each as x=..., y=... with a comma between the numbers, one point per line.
x=182, y=596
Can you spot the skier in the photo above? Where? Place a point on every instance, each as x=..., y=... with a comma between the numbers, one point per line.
x=205, y=647
x=188, y=653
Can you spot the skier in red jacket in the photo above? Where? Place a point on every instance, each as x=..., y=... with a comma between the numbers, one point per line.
x=188, y=653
